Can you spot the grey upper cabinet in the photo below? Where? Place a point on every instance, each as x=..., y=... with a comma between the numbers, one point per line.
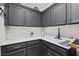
x=37, y=19
x=16, y=15
x=58, y=14
x=74, y=12
x=32, y=18
x=46, y=18
x=29, y=18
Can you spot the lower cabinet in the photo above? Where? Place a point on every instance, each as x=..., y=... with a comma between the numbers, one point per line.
x=48, y=52
x=18, y=49
x=45, y=51
x=52, y=53
x=34, y=50
x=21, y=52
x=55, y=50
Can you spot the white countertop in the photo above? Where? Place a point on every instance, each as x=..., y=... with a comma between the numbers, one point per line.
x=11, y=41
x=55, y=41
x=48, y=38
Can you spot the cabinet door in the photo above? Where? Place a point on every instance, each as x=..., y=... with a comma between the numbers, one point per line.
x=29, y=20
x=58, y=14
x=46, y=18
x=21, y=52
x=34, y=50
x=54, y=54
x=16, y=15
x=37, y=19
x=74, y=13
x=45, y=51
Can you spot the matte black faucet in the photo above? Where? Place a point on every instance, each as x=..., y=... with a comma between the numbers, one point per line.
x=58, y=36
x=58, y=33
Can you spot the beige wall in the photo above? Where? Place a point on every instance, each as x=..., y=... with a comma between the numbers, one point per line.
x=18, y=32
x=66, y=30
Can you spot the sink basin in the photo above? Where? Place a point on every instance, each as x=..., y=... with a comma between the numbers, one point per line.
x=65, y=43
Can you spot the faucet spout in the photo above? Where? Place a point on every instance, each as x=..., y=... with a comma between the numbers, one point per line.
x=58, y=36
x=58, y=33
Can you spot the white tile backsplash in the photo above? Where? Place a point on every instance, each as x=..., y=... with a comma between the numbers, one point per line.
x=70, y=30
x=66, y=30
x=18, y=32
x=51, y=30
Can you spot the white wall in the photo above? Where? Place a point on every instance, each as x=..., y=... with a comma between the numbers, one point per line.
x=2, y=29
x=70, y=31
x=18, y=32
x=66, y=30
x=51, y=30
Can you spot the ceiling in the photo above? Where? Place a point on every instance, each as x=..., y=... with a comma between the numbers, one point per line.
x=41, y=6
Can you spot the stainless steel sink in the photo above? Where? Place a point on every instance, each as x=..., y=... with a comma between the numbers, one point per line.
x=65, y=43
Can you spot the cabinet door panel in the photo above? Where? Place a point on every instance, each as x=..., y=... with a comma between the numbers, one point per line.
x=21, y=52
x=16, y=15
x=37, y=19
x=34, y=50
x=54, y=54
x=74, y=10
x=29, y=18
x=58, y=14
x=46, y=18
x=45, y=51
